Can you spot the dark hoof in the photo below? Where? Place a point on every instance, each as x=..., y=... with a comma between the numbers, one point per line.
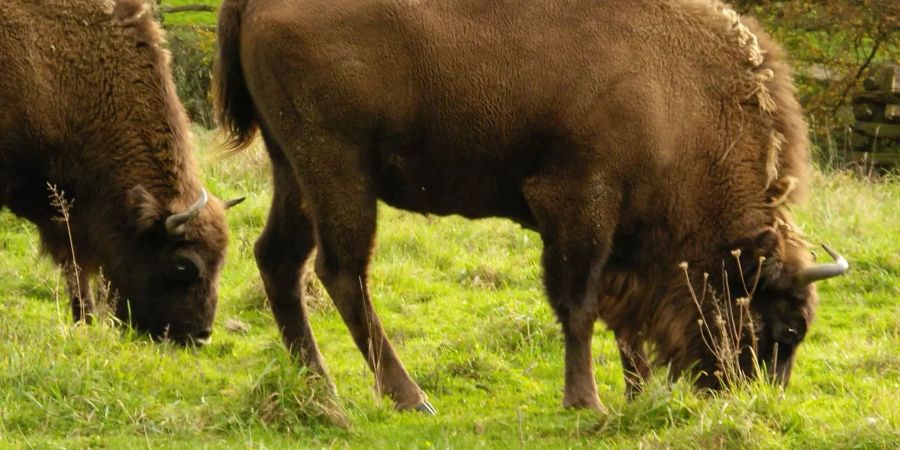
x=427, y=409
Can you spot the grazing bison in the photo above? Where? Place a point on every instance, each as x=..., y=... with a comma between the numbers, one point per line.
x=646, y=141
x=87, y=106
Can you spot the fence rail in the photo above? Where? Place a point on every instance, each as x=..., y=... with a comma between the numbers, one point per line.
x=876, y=133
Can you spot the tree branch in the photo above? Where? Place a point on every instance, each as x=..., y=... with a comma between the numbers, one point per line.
x=862, y=68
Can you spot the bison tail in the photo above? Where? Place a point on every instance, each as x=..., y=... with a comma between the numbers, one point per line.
x=233, y=104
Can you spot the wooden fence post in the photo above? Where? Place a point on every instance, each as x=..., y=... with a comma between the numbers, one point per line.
x=876, y=134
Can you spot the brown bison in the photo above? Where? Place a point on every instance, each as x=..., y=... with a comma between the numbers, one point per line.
x=646, y=141
x=88, y=107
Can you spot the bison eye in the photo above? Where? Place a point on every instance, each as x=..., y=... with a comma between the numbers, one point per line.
x=183, y=269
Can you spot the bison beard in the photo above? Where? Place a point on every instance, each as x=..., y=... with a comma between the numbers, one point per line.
x=634, y=136
x=88, y=106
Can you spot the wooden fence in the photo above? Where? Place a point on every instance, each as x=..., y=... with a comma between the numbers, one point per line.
x=876, y=133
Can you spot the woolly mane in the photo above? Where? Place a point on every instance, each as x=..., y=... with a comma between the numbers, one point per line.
x=135, y=16
x=771, y=90
x=767, y=100
x=137, y=20
x=787, y=155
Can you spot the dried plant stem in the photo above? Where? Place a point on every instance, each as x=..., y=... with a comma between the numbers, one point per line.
x=63, y=206
x=732, y=321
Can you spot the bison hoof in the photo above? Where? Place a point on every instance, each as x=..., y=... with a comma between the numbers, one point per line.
x=590, y=404
x=427, y=409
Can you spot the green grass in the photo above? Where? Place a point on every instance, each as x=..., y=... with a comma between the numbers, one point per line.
x=191, y=18
x=463, y=303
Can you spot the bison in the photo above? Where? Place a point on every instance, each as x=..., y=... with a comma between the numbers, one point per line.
x=654, y=145
x=88, y=109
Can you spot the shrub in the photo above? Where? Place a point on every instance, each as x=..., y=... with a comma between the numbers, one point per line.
x=832, y=47
x=193, y=50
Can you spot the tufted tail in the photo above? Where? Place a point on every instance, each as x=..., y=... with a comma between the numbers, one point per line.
x=233, y=104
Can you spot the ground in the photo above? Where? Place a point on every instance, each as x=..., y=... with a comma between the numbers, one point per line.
x=463, y=302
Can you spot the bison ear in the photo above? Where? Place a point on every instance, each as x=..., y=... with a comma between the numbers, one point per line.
x=766, y=241
x=759, y=251
x=762, y=243
x=147, y=210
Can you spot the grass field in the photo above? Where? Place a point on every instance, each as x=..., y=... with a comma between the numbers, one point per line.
x=463, y=303
x=193, y=17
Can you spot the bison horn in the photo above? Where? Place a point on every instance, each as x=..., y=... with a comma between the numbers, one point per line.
x=824, y=271
x=233, y=202
x=175, y=223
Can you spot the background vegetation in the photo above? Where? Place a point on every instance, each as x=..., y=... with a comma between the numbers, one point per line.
x=833, y=47
x=464, y=305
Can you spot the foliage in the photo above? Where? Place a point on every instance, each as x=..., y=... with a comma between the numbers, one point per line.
x=832, y=45
x=463, y=302
x=191, y=17
x=193, y=48
x=192, y=41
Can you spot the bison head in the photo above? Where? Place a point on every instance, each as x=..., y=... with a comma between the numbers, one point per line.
x=770, y=304
x=166, y=276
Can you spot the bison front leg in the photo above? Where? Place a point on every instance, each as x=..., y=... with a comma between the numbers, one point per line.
x=576, y=219
x=343, y=206
x=580, y=389
x=281, y=252
x=635, y=364
x=80, y=296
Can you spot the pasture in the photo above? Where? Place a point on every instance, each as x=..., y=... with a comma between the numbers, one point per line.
x=463, y=303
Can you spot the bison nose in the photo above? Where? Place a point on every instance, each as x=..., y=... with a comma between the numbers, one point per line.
x=202, y=337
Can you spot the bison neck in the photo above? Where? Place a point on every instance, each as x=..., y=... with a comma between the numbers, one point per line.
x=93, y=180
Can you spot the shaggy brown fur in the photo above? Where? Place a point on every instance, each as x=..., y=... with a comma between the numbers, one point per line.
x=634, y=135
x=88, y=105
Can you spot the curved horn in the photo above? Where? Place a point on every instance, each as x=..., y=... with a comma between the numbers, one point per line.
x=175, y=223
x=821, y=272
x=233, y=202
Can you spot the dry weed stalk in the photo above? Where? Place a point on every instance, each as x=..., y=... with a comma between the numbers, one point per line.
x=63, y=206
x=726, y=338
x=107, y=297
